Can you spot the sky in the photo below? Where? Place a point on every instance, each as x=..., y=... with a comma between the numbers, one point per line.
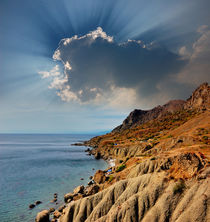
x=81, y=66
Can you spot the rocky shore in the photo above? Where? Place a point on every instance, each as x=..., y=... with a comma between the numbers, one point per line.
x=161, y=172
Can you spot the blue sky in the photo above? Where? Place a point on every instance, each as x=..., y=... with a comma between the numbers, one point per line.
x=118, y=55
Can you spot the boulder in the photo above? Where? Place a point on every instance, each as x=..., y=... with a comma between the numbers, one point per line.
x=93, y=189
x=42, y=216
x=99, y=176
x=31, y=206
x=98, y=155
x=54, y=200
x=68, y=197
x=79, y=189
x=60, y=209
x=90, y=183
x=57, y=214
x=38, y=202
x=51, y=210
x=78, y=196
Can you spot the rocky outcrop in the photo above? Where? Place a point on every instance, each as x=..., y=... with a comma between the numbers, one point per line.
x=200, y=98
x=138, y=117
x=42, y=216
x=99, y=176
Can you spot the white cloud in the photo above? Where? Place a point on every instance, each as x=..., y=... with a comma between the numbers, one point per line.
x=197, y=69
x=93, y=35
x=68, y=66
x=53, y=72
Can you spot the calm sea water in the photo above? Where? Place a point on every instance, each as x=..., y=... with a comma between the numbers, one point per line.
x=34, y=167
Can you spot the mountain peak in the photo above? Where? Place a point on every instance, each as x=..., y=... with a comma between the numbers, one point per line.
x=200, y=99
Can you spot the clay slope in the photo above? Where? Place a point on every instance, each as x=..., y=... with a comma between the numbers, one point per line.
x=147, y=195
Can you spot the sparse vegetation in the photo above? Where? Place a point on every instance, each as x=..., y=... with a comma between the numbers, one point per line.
x=120, y=168
x=179, y=187
x=111, y=178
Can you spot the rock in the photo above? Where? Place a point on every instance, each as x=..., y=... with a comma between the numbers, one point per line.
x=55, y=195
x=90, y=183
x=99, y=176
x=90, y=177
x=79, y=189
x=68, y=197
x=81, y=178
x=60, y=209
x=31, y=206
x=38, y=202
x=42, y=216
x=87, y=150
x=57, y=214
x=93, y=189
x=78, y=196
x=54, y=200
x=93, y=168
x=98, y=155
x=51, y=210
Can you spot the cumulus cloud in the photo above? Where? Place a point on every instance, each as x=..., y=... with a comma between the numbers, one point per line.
x=197, y=70
x=99, y=70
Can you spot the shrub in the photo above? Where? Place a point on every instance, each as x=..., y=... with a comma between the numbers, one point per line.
x=179, y=187
x=205, y=137
x=111, y=177
x=120, y=168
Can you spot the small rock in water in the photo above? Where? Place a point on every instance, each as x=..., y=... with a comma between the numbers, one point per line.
x=90, y=177
x=81, y=178
x=54, y=200
x=42, y=216
x=31, y=206
x=93, y=169
x=38, y=202
x=55, y=195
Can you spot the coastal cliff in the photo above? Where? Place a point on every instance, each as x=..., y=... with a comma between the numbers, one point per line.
x=162, y=167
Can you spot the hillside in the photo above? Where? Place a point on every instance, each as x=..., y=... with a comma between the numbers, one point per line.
x=162, y=167
x=199, y=99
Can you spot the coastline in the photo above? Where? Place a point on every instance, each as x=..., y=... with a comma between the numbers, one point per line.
x=55, y=212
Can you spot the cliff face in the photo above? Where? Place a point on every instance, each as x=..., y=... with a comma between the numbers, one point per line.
x=199, y=99
x=162, y=170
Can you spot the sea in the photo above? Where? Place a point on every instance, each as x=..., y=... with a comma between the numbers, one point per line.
x=35, y=166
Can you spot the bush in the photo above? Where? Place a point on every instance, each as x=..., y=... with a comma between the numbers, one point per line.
x=120, y=168
x=111, y=177
x=205, y=138
x=179, y=187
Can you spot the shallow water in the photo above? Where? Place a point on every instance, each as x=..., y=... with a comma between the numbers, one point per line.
x=34, y=167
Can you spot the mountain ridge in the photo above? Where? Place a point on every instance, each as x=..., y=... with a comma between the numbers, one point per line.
x=200, y=98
